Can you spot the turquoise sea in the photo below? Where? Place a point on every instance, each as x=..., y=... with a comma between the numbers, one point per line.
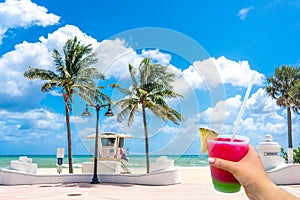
x=48, y=161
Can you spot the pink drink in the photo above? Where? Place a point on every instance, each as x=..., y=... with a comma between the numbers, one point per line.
x=221, y=147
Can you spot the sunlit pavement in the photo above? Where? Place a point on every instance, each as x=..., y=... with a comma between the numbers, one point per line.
x=121, y=191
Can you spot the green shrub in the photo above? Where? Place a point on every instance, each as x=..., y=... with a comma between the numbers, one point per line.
x=296, y=151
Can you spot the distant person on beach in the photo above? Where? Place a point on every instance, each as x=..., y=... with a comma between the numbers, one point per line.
x=252, y=176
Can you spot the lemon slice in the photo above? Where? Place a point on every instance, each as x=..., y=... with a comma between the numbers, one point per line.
x=206, y=134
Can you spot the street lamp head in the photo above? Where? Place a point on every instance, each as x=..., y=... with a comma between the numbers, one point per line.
x=86, y=112
x=109, y=113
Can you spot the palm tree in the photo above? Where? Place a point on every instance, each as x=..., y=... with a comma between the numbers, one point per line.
x=279, y=87
x=295, y=94
x=151, y=84
x=74, y=76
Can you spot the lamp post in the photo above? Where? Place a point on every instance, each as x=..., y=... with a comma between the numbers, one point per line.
x=108, y=113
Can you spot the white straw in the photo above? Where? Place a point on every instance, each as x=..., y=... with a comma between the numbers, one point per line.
x=242, y=108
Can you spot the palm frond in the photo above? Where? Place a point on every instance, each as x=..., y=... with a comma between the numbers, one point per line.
x=128, y=107
x=37, y=73
x=58, y=61
x=132, y=112
x=132, y=72
x=123, y=90
x=48, y=86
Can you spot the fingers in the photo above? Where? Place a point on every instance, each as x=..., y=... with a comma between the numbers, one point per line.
x=222, y=164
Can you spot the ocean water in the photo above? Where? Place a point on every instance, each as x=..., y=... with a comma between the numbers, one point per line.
x=134, y=161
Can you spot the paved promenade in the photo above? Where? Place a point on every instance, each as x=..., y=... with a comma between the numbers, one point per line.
x=196, y=184
x=121, y=191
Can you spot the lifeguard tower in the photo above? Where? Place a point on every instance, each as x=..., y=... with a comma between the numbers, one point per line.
x=111, y=155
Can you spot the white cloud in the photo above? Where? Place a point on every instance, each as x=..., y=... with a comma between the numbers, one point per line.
x=244, y=12
x=201, y=75
x=158, y=56
x=249, y=124
x=33, y=127
x=237, y=73
x=228, y=110
x=24, y=13
x=58, y=38
x=211, y=72
x=13, y=64
x=87, y=131
x=193, y=78
x=114, y=57
x=275, y=128
x=56, y=93
x=34, y=119
x=78, y=119
x=260, y=102
x=168, y=129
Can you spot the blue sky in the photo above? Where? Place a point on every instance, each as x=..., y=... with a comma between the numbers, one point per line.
x=213, y=47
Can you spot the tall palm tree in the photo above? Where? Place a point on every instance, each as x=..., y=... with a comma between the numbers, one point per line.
x=151, y=85
x=279, y=87
x=74, y=75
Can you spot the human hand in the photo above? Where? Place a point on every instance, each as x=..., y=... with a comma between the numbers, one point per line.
x=252, y=176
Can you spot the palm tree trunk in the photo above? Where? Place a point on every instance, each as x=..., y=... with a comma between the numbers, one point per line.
x=290, y=136
x=68, y=134
x=146, y=138
x=69, y=141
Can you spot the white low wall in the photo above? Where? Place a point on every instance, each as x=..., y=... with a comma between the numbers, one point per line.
x=12, y=177
x=161, y=164
x=285, y=174
x=169, y=177
x=24, y=166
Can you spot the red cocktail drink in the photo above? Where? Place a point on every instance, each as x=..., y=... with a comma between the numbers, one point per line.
x=223, y=148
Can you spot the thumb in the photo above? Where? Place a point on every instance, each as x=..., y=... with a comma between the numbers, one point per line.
x=223, y=164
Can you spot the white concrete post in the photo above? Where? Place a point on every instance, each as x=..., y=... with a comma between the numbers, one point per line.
x=290, y=155
x=60, y=153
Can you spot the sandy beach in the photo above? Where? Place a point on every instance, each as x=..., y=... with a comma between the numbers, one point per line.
x=196, y=184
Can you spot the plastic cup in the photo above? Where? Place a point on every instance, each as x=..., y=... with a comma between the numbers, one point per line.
x=222, y=147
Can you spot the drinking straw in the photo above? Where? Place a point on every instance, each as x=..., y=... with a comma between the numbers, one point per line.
x=242, y=108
